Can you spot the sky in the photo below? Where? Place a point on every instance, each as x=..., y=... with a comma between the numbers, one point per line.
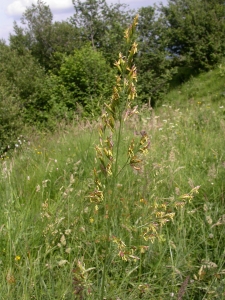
x=12, y=10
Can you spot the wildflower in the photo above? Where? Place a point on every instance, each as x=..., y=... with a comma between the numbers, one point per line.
x=143, y=288
x=143, y=201
x=177, y=191
x=186, y=196
x=17, y=258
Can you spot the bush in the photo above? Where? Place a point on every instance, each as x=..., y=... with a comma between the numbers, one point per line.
x=10, y=120
x=88, y=79
x=32, y=91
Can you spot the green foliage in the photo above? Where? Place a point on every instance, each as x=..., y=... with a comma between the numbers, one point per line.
x=23, y=77
x=10, y=120
x=32, y=90
x=21, y=73
x=53, y=246
x=21, y=82
x=154, y=67
x=35, y=33
x=89, y=18
x=174, y=41
x=51, y=103
x=102, y=25
x=88, y=79
x=64, y=37
x=82, y=84
x=202, y=89
x=43, y=38
x=195, y=31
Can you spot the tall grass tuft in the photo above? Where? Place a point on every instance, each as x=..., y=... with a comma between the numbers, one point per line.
x=129, y=229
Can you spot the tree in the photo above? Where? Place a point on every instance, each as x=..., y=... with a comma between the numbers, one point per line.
x=154, y=66
x=89, y=18
x=102, y=25
x=195, y=31
x=21, y=79
x=20, y=73
x=64, y=39
x=35, y=35
x=45, y=39
x=10, y=118
x=28, y=94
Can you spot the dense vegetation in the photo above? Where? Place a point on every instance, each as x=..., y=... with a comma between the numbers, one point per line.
x=54, y=72
x=100, y=201
x=53, y=240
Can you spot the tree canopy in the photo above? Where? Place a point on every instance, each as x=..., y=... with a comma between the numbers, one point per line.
x=51, y=68
x=195, y=31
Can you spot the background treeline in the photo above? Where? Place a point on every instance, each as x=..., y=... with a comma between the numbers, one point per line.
x=54, y=71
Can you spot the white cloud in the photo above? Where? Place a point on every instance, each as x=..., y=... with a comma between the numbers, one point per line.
x=16, y=8
x=59, y=5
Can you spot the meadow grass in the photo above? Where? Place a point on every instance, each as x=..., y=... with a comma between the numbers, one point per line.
x=53, y=241
x=158, y=232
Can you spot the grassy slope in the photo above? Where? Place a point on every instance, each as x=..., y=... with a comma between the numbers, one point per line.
x=53, y=241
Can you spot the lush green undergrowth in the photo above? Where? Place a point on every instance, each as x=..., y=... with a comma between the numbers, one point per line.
x=53, y=243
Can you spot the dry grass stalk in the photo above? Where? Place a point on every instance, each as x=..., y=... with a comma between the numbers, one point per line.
x=183, y=288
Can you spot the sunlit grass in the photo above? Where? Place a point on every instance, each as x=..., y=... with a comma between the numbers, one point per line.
x=56, y=244
x=48, y=237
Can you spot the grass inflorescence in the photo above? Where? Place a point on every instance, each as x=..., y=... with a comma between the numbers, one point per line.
x=134, y=211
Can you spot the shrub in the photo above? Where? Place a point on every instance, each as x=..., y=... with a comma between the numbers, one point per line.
x=10, y=120
x=87, y=77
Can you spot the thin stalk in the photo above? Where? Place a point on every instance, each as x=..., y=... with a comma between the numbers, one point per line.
x=115, y=171
x=115, y=175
